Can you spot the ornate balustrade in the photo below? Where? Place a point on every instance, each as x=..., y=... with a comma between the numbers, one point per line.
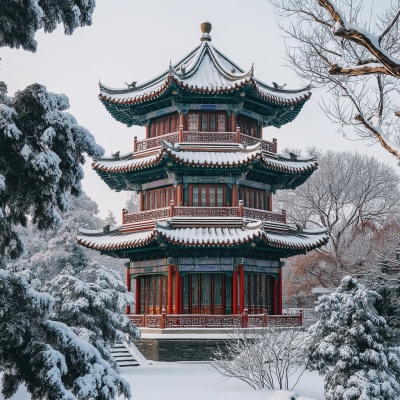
x=146, y=144
x=250, y=141
x=209, y=137
x=216, y=212
x=243, y=320
x=204, y=137
x=158, y=213
x=206, y=211
x=263, y=215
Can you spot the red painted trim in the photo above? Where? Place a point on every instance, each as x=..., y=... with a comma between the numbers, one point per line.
x=235, y=293
x=280, y=292
x=177, y=293
x=137, y=295
x=170, y=302
x=241, y=288
x=141, y=201
x=128, y=286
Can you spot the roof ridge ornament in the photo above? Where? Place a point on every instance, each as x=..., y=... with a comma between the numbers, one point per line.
x=206, y=29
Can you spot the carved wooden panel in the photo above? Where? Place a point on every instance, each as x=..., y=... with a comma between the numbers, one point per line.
x=210, y=137
x=206, y=212
x=156, y=141
x=147, y=215
x=262, y=215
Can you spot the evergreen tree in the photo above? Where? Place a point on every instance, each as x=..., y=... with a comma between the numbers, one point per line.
x=46, y=355
x=353, y=338
x=19, y=21
x=110, y=219
x=42, y=149
x=94, y=310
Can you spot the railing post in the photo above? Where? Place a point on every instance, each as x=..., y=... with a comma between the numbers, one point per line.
x=238, y=134
x=241, y=208
x=245, y=319
x=301, y=317
x=284, y=216
x=135, y=144
x=163, y=319
x=171, y=212
x=265, y=318
x=144, y=320
x=180, y=139
x=124, y=210
x=276, y=145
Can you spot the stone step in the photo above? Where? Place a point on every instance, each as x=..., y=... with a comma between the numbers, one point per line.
x=123, y=357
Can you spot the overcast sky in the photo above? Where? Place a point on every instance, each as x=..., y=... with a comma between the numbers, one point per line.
x=134, y=41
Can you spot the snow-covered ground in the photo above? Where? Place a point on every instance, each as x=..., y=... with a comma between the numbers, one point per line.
x=194, y=381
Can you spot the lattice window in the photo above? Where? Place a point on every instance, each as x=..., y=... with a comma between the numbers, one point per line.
x=205, y=289
x=212, y=122
x=170, y=125
x=195, y=201
x=204, y=197
x=228, y=297
x=176, y=123
x=220, y=197
x=166, y=126
x=221, y=123
x=193, y=122
x=150, y=201
x=186, y=293
x=157, y=278
x=252, y=199
x=258, y=200
x=247, y=198
x=155, y=129
x=151, y=290
x=212, y=197
x=217, y=289
x=195, y=289
x=262, y=201
x=204, y=122
x=163, y=279
x=155, y=200
x=161, y=198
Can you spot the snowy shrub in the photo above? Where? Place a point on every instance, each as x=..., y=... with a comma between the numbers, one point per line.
x=262, y=357
x=45, y=355
x=95, y=311
x=352, y=338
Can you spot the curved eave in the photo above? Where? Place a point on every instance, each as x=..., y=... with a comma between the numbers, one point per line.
x=120, y=109
x=114, y=175
x=121, y=243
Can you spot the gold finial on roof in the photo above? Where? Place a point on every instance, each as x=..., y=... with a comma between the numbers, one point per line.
x=206, y=29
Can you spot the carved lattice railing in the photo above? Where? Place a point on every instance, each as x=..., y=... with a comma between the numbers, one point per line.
x=158, y=213
x=263, y=215
x=209, y=137
x=206, y=211
x=243, y=320
x=146, y=144
x=265, y=145
x=213, y=212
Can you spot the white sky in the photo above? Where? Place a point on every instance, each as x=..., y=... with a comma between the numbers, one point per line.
x=134, y=41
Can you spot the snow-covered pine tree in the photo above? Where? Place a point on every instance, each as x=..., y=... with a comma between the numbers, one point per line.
x=42, y=149
x=20, y=21
x=46, y=355
x=352, y=338
x=93, y=307
x=132, y=202
x=110, y=219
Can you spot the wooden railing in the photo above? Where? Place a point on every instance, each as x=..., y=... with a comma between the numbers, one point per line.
x=213, y=212
x=203, y=137
x=244, y=320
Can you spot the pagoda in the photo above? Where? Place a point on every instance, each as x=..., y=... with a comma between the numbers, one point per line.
x=206, y=239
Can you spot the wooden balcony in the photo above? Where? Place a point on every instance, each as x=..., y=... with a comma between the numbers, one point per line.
x=244, y=320
x=203, y=137
x=208, y=212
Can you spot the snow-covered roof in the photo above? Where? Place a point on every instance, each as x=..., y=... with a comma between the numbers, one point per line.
x=217, y=156
x=205, y=69
x=203, y=236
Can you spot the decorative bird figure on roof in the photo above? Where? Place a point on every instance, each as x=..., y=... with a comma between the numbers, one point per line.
x=233, y=70
x=276, y=86
x=131, y=85
x=115, y=155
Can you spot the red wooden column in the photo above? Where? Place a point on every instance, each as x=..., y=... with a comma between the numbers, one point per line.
x=260, y=131
x=177, y=293
x=267, y=292
x=148, y=131
x=235, y=292
x=280, y=292
x=274, y=295
x=212, y=294
x=170, y=289
x=141, y=201
x=128, y=285
x=234, y=196
x=270, y=201
x=250, y=305
x=241, y=294
x=180, y=195
x=233, y=122
x=224, y=294
x=137, y=295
